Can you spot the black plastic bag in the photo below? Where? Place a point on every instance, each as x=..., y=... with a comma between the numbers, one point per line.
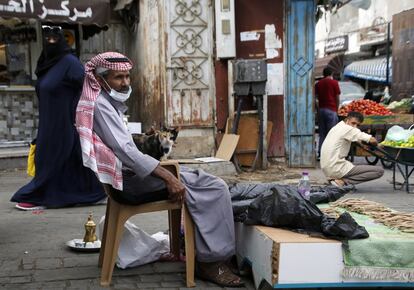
x=328, y=193
x=344, y=226
x=282, y=206
x=285, y=207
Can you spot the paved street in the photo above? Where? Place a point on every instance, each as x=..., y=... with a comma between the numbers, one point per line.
x=33, y=254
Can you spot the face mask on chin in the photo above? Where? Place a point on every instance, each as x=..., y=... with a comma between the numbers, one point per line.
x=118, y=96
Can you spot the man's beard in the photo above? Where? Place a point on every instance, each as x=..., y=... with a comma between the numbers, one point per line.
x=124, y=90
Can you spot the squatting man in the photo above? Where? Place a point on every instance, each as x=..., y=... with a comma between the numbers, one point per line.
x=335, y=149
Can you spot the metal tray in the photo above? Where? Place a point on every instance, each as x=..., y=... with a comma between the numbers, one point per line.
x=80, y=246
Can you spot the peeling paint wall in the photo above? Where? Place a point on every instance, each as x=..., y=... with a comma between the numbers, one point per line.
x=147, y=102
x=300, y=115
x=116, y=38
x=265, y=19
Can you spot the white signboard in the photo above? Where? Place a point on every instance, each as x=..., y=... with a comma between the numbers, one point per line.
x=275, y=79
x=249, y=36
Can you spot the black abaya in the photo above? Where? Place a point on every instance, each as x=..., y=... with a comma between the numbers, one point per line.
x=61, y=179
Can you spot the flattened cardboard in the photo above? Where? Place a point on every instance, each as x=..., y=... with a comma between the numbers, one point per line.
x=227, y=146
x=224, y=153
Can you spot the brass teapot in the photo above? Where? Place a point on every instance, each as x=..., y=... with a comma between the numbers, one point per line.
x=90, y=229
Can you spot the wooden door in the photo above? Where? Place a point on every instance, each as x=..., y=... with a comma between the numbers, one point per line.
x=189, y=74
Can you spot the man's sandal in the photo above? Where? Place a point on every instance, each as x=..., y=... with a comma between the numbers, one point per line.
x=337, y=182
x=220, y=274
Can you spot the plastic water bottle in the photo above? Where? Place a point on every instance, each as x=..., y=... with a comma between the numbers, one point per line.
x=304, y=186
x=387, y=96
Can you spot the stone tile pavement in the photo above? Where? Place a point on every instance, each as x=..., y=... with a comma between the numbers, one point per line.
x=33, y=254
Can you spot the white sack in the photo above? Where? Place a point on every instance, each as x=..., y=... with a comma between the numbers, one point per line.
x=137, y=247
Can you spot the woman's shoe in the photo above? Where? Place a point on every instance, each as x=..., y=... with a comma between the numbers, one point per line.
x=29, y=206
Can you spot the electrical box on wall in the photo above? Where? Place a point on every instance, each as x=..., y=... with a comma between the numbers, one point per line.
x=249, y=76
x=225, y=29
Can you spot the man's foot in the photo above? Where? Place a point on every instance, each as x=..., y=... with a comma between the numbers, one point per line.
x=337, y=182
x=218, y=273
x=29, y=206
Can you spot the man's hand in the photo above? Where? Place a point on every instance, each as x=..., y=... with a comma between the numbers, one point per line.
x=373, y=141
x=175, y=188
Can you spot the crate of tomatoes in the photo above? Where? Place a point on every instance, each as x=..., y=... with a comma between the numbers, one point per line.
x=365, y=107
x=373, y=112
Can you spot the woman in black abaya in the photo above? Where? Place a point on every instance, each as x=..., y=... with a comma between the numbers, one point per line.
x=61, y=179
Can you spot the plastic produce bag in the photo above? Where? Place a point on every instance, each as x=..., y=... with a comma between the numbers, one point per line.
x=397, y=133
x=31, y=159
x=137, y=247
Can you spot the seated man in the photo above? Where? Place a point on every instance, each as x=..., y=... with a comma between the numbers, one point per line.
x=335, y=149
x=109, y=150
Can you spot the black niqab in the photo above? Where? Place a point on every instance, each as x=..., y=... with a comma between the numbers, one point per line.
x=51, y=54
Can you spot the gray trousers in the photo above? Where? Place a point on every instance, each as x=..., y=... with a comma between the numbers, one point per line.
x=362, y=173
x=208, y=201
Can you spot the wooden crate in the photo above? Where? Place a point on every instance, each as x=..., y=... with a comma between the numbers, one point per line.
x=390, y=120
x=403, y=119
x=377, y=120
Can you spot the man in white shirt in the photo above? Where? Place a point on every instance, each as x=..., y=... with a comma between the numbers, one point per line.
x=335, y=149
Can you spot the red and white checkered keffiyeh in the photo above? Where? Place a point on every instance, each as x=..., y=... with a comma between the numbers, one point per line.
x=95, y=154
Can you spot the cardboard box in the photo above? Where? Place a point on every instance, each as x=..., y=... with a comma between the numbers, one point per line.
x=285, y=259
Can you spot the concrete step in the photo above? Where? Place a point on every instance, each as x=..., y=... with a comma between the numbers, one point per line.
x=13, y=157
x=222, y=168
x=16, y=158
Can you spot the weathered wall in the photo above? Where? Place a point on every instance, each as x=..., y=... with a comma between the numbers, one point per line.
x=299, y=104
x=254, y=16
x=114, y=39
x=403, y=55
x=146, y=103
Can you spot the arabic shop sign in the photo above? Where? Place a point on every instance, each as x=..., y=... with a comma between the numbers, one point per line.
x=78, y=11
x=335, y=44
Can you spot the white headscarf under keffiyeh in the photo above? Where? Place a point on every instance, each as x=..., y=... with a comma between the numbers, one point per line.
x=95, y=154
